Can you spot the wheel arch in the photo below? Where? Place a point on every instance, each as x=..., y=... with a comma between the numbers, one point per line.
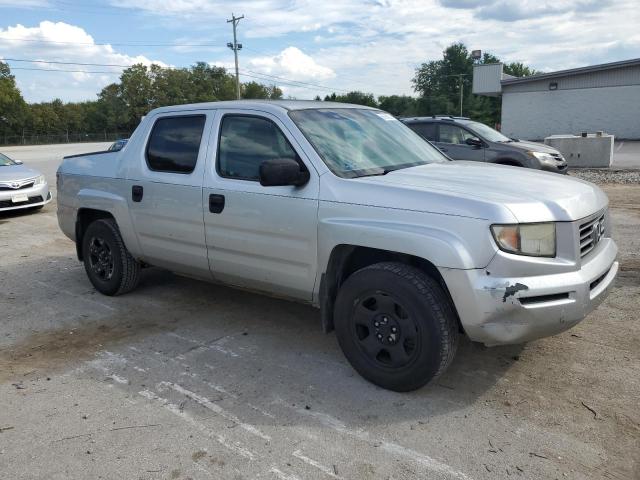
x=509, y=161
x=346, y=259
x=93, y=204
x=84, y=218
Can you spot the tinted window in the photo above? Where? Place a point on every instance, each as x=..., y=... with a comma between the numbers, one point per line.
x=453, y=134
x=174, y=144
x=246, y=142
x=425, y=130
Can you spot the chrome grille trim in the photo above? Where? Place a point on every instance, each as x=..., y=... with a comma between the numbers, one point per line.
x=590, y=233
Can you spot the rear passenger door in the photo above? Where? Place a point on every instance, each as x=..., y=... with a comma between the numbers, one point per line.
x=452, y=141
x=165, y=196
x=263, y=238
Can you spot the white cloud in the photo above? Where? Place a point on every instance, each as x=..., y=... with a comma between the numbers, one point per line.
x=292, y=63
x=64, y=43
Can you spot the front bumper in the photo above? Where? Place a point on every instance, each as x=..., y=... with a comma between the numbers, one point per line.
x=36, y=196
x=556, y=167
x=502, y=311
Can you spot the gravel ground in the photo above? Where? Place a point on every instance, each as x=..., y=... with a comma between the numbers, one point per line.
x=605, y=175
x=185, y=380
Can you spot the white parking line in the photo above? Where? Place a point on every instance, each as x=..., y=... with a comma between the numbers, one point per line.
x=205, y=402
x=281, y=475
x=175, y=409
x=323, y=468
x=420, y=458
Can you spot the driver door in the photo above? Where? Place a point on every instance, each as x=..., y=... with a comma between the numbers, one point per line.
x=257, y=237
x=452, y=141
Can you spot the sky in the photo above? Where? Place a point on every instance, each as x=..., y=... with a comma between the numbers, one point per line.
x=306, y=47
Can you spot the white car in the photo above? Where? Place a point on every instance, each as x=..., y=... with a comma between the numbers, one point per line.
x=21, y=186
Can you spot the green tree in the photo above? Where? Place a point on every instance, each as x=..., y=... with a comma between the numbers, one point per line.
x=254, y=90
x=399, y=105
x=518, y=69
x=13, y=108
x=356, y=97
x=438, y=83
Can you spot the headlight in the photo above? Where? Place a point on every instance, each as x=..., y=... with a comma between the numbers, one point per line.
x=543, y=157
x=40, y=180
x=534, y=239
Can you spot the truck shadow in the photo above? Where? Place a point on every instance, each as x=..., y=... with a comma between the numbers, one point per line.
x=191, y=331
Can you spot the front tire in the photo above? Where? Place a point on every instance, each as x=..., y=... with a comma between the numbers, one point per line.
x=109, y=265
x=395, y=325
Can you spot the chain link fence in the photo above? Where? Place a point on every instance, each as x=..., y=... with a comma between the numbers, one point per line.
x=55, y=138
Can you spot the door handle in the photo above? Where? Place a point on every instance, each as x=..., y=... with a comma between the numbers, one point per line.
x=216, y=203
x=136, y=193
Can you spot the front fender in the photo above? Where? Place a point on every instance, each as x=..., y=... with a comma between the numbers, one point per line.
x=446, y=241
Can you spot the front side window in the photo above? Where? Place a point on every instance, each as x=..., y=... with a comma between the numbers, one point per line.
x=425, y=130
x=356, y=142
x=246, y=142
x=174, y=143
x=454, y=134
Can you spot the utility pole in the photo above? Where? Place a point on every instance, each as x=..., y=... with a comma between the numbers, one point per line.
x=461, y=93
x=235, y=46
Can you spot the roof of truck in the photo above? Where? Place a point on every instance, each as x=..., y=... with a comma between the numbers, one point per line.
x=270, y=104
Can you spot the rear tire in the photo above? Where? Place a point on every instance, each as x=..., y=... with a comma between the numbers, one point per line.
x=109, y=265
x=396, y=326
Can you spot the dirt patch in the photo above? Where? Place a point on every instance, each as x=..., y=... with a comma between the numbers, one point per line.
x=629, y=273
x=49, y=351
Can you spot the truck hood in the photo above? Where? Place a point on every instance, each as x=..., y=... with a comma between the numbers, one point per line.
x=10, y=173
x=483, y=190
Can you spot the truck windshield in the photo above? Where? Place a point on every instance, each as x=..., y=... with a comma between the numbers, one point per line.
x=357, y=142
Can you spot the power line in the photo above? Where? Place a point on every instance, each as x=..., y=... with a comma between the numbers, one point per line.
x=116, y=44
x=248, y=73
x=59, y=70
x=65, y=63
x=290, y=82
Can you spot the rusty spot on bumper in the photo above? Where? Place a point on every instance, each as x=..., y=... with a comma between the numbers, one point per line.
x=512, y=290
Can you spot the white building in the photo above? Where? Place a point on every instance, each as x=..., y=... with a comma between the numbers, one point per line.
x=600, y=97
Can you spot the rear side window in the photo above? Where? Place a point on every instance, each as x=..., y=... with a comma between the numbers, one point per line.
x=246, y=142
x=425, y=130
x=174, y=143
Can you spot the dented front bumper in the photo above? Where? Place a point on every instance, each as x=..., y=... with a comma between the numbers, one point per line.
x=501, y=310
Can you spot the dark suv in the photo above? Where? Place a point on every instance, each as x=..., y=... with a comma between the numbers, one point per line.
x=463, y=139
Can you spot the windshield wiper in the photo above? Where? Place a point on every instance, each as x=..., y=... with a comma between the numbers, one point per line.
x=384, y=171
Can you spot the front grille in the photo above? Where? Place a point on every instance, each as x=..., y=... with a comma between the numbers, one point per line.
x=7, y=187
x=591, y=232
x=9, y=203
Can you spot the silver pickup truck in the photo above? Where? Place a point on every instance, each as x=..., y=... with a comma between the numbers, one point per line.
x=346, y=208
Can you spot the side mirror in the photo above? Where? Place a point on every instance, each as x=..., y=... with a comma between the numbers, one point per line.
x=474, y=142
x=18, y=162
x=280, y=172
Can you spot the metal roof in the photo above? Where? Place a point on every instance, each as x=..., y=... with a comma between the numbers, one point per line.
x=269, y=104
x=573, y=71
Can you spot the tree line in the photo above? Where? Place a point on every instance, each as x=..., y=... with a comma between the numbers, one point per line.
x=437, y=84
x=120, y=105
